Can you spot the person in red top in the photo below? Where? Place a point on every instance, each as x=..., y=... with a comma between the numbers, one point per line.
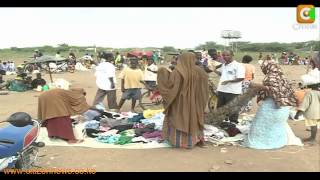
x=249, y=76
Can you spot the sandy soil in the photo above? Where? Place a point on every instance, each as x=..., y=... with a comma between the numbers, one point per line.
x=290, y=158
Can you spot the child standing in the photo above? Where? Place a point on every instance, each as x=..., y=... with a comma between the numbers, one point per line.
x=150, y=73
x=131, y=85
x=310, y=105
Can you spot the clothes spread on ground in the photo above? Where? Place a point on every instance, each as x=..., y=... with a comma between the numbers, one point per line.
x=122, y=132
x=212, y=131
x=157, y=119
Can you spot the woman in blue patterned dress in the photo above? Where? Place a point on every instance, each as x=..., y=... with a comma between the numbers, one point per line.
x=268, y=127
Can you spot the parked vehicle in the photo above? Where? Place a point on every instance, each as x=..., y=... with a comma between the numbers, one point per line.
x=18, y=146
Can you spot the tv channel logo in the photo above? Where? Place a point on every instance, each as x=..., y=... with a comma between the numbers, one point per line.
x=306, y=14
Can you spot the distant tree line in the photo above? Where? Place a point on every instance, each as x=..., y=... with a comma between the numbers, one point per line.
x=241, y=46
x=266, y=47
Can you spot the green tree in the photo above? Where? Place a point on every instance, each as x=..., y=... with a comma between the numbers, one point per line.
x=168, y=49
x=209, y=45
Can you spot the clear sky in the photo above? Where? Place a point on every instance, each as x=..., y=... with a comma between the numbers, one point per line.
x=145, y=27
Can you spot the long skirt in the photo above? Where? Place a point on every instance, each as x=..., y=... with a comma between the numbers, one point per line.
x=60, y=127
x=180, y=139
x=268, y=128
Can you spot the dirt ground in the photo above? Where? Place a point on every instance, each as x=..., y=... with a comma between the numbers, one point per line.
x=291, y=158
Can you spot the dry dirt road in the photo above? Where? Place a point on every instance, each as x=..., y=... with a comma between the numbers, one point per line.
x=290, y=158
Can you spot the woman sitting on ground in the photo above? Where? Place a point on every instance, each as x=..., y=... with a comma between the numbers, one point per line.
x=55, y=108
x=268, y=129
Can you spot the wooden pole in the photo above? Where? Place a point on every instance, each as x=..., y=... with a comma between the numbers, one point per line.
x=50, y=73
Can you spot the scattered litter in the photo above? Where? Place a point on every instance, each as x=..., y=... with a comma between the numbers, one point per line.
x=228, y=161
x=214, y=168
x=223, y=150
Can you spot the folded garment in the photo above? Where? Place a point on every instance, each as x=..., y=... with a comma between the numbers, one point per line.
x=110, y=139
x=121, y=128
x=91, y=114
x=124, y=140
x=226, y=125
x=148, y=128
x=129, y=132
x=128, y=114
x=149, y=113
x=140, y=139
x=92, y=124
x=153, y=134
x=136, y=118
x=113, y=122
x=104, y=129
x=110, y=132
x=92, y=132
x=233, y=131
x=138, y=125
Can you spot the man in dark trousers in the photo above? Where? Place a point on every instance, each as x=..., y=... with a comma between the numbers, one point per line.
x=230, y=86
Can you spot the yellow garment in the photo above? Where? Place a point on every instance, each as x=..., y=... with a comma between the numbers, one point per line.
x=132, y=78
x=312, y=122
x=118, y=59
x=149, y=113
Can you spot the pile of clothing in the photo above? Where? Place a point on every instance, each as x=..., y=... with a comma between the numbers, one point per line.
x=123, y=128
x=228, y=133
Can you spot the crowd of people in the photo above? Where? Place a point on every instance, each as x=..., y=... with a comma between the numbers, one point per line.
x=7, y=66
x=185, y=92
x=286, y=59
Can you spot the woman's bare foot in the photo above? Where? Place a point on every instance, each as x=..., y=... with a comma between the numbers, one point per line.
x=308, y=139
x=74, y=141
x=311, y=143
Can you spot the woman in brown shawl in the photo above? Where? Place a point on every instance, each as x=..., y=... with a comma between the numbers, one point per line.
x=185, y=94
x=55, y=108
x=268, y=128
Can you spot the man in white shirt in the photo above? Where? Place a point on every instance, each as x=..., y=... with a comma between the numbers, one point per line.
x=230, y=86
x=150, y=73
x=106, y=82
